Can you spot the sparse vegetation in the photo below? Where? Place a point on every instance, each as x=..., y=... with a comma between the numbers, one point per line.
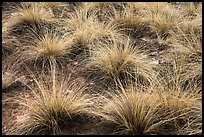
x=10, y=69
x=136, y=66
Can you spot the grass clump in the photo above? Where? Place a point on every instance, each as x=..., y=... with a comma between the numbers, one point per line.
x=87, y=29
x=185, y=107
x=186, y=64
x=50, y=45
x=55, y=103
x=134, y=113
x=156, y=110
x=119, y=60
x=27, y=16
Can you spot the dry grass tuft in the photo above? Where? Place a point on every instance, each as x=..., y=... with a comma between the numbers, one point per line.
x=117, y=60
x=186, y=64
x=29, y=15
x=127, y=19
x=134, y=112
x=154, y=110
x=87, y=29
x=105, y=10
x=161, y=19
x=186, y=107
x=47, y=46
x=56, y=102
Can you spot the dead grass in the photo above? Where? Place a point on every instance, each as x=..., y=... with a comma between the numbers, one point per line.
x=134, y=112
x=29, y=15
x=52, y=44
x=186, y=63
x=10, y=69
x=117, y=60
x=87, y=29
x=55, y=103
x=145, y=56
x=185, y=106
x=156, y=110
